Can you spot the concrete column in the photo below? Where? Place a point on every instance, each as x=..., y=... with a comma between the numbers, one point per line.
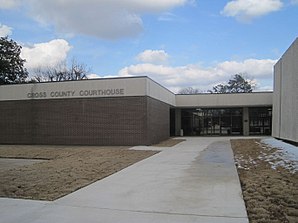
x=245, y=121
x=177, y=121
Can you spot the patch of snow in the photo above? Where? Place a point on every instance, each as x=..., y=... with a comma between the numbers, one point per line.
x=286, y=154
x=242, y=163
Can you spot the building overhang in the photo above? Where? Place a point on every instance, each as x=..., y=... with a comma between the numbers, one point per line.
x=225, y=100
x=128, y=87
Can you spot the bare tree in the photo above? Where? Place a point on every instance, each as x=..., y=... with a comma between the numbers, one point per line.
x=189, y=90
x=60, y=72
x=77, y=71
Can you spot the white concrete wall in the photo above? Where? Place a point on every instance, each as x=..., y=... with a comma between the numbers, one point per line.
x=75, y=89
x=115, y=87
x=225, y=100
x=159, y=92
x=285, y=107
x=276, y=111
x=245, y=121
x=123, y=87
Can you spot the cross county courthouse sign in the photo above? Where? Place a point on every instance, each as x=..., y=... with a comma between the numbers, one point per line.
x=75, y=93
x=114, y=87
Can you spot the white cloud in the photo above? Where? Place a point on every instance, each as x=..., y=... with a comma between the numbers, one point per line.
x=93, y=76
x=9, y=4
x=253, y=67
x=5, y=30
x=203, y=78
x=47, y=54
x=167, y=17
x=265, y=88
x=97, y=76
x=246, y=10
x=109, y=19
x=153, y=56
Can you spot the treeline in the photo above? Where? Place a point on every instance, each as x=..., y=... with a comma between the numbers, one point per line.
x=12, y=70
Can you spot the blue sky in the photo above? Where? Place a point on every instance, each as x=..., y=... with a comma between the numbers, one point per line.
x=178, y=43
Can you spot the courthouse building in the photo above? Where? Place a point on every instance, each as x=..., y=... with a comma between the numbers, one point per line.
x=285, y=96
x=139, y=111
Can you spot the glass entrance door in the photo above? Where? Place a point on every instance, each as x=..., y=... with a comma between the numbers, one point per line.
x=260, y=121
x=211, y=121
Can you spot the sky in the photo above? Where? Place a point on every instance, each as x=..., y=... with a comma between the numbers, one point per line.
x=178, y=43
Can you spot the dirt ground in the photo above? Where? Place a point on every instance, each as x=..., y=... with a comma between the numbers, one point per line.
x=271, y=195
x=64, y=169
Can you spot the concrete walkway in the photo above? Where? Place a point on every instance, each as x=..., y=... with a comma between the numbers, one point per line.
x=194, y=181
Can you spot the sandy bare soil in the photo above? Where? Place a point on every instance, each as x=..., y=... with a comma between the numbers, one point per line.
x=271, y=195
x=64, y=169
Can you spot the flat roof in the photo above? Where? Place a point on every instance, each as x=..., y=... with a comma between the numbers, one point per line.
x=127, y=87
x=225, y=100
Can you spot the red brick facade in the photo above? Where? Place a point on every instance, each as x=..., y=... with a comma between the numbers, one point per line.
x=88, y=121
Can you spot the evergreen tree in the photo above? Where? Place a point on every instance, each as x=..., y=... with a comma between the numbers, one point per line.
x=12, y=69
x=238, y=84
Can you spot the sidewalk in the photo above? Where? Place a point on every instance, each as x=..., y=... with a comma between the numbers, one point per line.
x=185, y=183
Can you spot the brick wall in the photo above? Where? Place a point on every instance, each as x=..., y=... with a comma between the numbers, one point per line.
x=93, y=121
x=158, y=121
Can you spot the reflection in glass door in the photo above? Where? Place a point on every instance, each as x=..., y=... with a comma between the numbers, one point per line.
x=260, y=121
x=204, y=121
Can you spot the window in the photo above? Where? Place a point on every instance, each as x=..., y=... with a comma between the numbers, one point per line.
x=212, y=121
x=260, y=121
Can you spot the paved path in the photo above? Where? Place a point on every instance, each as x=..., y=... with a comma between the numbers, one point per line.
x=194, y=181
